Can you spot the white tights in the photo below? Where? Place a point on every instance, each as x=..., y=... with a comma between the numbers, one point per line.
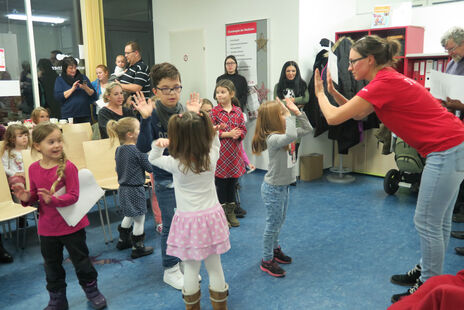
x=138, y=221
x=215, y=273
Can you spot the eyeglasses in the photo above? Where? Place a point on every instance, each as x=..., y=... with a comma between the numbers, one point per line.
x=230, y=63
x=353, y=61
x=167, y=90
x=450, y=50
x=127, y=53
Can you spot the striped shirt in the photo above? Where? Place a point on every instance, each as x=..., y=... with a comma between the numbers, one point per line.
x=138, y=74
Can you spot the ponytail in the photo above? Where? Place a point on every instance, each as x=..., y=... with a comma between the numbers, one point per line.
x=111, y=130
x=383, y=50
x=120, y=129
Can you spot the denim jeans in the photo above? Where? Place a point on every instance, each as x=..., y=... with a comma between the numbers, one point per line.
x=275, y=198
x=167, y=202
x=441, y=178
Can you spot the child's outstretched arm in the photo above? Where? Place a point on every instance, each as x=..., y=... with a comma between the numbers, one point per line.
x=156, y=157
x=21, y=193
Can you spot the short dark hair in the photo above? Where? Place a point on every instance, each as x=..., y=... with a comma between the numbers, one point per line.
x=134, y=46
x=162, y=71
x=68, y=61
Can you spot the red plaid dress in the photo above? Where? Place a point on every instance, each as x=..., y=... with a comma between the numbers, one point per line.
x=230, y=163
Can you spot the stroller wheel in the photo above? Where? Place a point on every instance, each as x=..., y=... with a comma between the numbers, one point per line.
x=391, y=181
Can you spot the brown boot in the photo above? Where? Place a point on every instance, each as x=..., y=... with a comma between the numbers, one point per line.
x=230, y=214
x=219, y=298
x=192, y=302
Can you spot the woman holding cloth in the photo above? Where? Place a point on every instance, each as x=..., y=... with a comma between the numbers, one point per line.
x=412, y=113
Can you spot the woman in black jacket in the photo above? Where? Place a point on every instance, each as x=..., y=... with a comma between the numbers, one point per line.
x=240, y=83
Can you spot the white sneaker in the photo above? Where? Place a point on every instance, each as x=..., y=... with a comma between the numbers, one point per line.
x=174, y=277
x=181, y=267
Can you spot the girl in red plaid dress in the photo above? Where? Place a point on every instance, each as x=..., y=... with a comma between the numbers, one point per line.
x=230, y=165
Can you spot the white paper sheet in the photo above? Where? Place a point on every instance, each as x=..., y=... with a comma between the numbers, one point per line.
x=89, y=193
x=333, y=66
x=444, y=85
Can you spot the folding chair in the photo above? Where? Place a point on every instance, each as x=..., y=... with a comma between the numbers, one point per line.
x=74, y=128
x=10, y=210
x=99, y=159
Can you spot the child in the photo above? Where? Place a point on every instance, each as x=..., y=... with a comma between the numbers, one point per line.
x=131, y=165
x=230, y=165
x=199, y=230
x=40, y=115
x=275, y=130
x=16, y=140
x=165, y=79
x=206, y=105
x=120, y=66
x=54, y=184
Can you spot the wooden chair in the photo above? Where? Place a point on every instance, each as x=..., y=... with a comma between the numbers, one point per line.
x=28, y=159
x=73, y=147
x=10, y=210
x=82, y=127
x=99, y=159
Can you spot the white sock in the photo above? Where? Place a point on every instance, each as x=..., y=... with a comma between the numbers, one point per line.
x=139, y=221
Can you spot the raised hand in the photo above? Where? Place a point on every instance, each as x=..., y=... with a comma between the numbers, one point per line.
x=20, y=192
x=44, y=195
x=144, y=107
x=193, y=104
x=291, y=106
x=162, y=142
x=286, y=111
x=318, y=84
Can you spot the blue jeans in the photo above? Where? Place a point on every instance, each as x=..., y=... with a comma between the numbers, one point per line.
x=167, y=202
x=442, y=175
x=275, y=198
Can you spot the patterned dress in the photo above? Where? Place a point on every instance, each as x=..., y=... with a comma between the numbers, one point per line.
x=131, y=165
x=230, y=163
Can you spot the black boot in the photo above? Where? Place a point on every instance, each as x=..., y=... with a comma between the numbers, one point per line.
x=124, y=241
x=96, y=299
x=239, y=211
x=5, y=257
x=138, y=248
x=58, y=300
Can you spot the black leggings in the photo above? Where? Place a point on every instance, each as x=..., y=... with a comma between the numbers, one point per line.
x=225, y=189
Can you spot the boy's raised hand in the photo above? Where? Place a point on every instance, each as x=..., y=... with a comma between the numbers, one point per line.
x=193, y=104
x=162, y=142
x=144, y=107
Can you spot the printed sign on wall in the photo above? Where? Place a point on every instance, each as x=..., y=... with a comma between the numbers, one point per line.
x=241, y=42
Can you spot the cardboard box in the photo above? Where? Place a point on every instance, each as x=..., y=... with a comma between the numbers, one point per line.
x=311, y=167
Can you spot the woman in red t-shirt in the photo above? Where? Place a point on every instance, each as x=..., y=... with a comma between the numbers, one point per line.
x=412, y=113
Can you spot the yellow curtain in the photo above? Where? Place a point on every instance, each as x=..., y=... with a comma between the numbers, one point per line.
x=94, y=35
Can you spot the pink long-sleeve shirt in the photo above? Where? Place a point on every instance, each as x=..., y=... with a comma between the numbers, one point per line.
x=50, y=221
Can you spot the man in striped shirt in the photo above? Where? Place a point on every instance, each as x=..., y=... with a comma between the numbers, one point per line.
x=136, y=78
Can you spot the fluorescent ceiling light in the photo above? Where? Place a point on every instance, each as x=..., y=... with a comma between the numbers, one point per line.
x=41, y=19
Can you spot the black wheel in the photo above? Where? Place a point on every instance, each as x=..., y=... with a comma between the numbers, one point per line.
x=391, y=181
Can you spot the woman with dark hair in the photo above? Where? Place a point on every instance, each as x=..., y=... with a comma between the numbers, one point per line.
x=240, y=83
x=291, y=85
x=47, y=78
x=412, y=113
x=75, y=92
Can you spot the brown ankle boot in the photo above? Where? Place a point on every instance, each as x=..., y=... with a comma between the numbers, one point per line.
x=192, y=302
x=230, y=214
x=219, y=298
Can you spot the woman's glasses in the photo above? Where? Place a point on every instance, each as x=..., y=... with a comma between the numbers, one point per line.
x=353, y=61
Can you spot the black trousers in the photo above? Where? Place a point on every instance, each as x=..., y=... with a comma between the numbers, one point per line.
x=225, y=189
x=52, y=252
x=459, y=206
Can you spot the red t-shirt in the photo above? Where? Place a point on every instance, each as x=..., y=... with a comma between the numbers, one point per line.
x=412, y=113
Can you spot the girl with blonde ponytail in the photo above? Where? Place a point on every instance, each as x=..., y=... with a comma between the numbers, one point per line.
x=131, y=165
x=54, y=184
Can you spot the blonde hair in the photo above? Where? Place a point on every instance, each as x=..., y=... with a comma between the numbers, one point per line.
x=190, y=137
x=108, y=90
x=40, y=133
x=121, y=56
x=36, y=114
x=10, y=138
x=205, y=102
x=120, y=129
x=269, y=122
